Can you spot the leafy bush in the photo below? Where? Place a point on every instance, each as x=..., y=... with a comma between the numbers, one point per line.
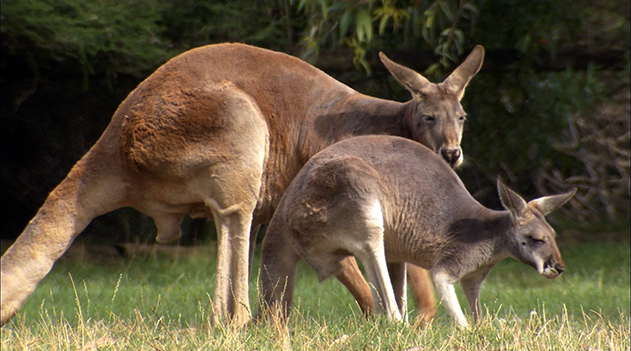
x=67, y=64
x=94, y=37
x=545, y=132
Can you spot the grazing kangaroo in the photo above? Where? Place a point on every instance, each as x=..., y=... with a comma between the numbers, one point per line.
x=387, y=200
x=219, y=132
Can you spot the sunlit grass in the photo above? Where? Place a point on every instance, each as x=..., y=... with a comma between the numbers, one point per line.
x=163, y=303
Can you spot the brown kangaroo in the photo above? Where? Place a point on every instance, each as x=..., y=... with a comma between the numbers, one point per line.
x=387, y=201
x=219, y=132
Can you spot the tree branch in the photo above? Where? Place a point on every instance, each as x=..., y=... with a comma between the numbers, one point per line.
x=341, y=60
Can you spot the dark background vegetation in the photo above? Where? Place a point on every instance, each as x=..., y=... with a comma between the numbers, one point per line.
x=548, y=111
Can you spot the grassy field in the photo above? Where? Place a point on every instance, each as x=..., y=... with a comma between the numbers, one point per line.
x=158, y=302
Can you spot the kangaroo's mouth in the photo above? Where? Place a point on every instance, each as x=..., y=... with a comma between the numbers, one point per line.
x=552, y=271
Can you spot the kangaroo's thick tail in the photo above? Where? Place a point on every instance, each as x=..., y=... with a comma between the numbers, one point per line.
x=91, y=189
x=352, y=278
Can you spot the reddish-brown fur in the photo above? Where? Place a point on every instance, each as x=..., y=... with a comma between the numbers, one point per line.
x=219, y=132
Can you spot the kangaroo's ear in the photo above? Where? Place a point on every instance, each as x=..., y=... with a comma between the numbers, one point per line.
x=411, y=80
x=512, y=201
x=548, y=204
x=460, y=77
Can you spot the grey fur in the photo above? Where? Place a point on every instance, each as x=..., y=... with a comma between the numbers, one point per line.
x=387, y=200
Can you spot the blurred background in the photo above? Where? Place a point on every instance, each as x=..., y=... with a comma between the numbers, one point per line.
x=548, y=111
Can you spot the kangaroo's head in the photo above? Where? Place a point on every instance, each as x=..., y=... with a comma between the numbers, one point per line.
x=533, y=239
x=436, y=118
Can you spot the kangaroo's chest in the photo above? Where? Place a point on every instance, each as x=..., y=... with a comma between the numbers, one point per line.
x=422, y=249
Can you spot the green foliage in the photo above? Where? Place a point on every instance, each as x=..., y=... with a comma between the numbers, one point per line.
x=438, y=24
x=99, y=37
x=527, y=116
x=533, y=27
x=131, y=37
x=193, y=23
x=67, y=64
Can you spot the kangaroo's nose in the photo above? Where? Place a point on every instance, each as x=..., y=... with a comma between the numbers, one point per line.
x=451, y=155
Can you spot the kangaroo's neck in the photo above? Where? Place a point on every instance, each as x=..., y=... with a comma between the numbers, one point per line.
x=486, y=231
x=365, y=115
x=353, y=115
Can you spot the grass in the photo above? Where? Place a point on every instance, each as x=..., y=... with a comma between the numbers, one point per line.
x=156, y=302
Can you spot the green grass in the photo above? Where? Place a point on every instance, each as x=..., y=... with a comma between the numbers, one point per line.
x=163, y=303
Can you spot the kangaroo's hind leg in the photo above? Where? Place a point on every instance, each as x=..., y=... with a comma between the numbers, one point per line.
x=229, y=183
x=397, y=273
x=374, y=261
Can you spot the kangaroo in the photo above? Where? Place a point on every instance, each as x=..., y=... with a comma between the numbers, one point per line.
x=219, y=132
x=387, y=200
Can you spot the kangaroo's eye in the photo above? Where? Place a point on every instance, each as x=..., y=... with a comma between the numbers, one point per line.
x=535, y=240
x=462, y=118
x=429, y=118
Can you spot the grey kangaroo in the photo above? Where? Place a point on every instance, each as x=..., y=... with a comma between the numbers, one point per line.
x=387, y=201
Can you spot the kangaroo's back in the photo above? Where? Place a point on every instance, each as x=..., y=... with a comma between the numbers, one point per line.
x=279, y=83
x=414, y=190
x=407, y=171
